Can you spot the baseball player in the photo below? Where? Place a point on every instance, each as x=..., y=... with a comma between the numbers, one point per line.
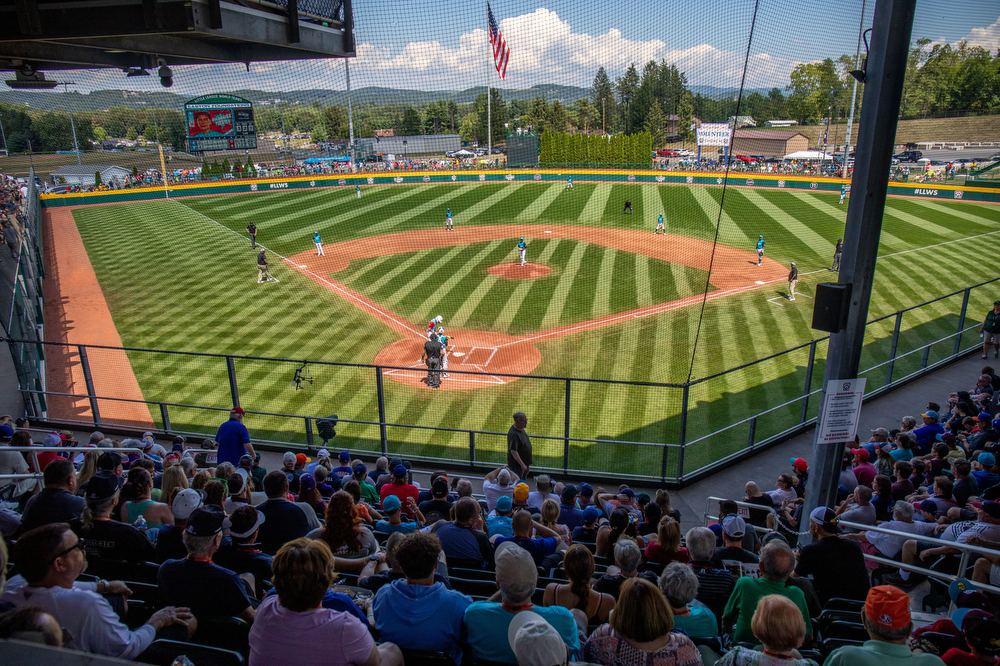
x=449, y=224
x=838, y=252
x=793, y=279
x=445, y=340
x=434, y=323
x=628, y=207
x=263, y=274
x=252, y=230
x=357, y=188
x=843, y=192
x=760, y=250
x=319, y=245
x=522, y=249
x=659, y=225
x=569, y=183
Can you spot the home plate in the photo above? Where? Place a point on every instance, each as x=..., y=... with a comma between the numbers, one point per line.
x=458, y=353
x=760, y=282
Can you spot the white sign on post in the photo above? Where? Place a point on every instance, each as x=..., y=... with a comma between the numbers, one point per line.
x=714, y=134
x=841, y=410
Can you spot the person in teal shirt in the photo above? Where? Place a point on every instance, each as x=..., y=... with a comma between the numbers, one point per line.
x=760, y=250
x=449, y=225
x=392, y=522
x=776, y=564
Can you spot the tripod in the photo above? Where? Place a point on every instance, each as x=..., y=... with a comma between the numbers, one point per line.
x=298, y=378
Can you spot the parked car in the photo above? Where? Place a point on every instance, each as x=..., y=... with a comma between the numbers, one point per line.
x=667, y=153
x=908, y=156
x=61, y=189
x=499, y=150
x=673, y=138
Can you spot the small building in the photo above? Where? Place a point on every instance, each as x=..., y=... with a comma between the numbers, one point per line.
x=83, y=174
x=768, y=143
x=385, y=132
x=673, y=123
x=424, y=144
x=742, y=121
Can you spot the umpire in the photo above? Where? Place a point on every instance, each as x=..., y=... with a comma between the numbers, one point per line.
x=432, y=357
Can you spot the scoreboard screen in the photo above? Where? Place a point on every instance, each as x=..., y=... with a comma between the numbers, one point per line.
x=220, y=122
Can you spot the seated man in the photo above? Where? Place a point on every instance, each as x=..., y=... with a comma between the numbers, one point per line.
x=628, y=557
x=169, y=541
x=569, y=515
x=420, y=612
x=776, y=564
x=400, y=488
x=196, y=581
x=242, y=554
x=734, y=529
x=462, y=541
x=391, y=520
x=837, y=566
x=499, y=483
x=888, y=545
x=109, y=539
x=502, y=523
x=57, y=502
x=286, y=520
x=50, y=558
x=857, y=508
x=714, y=585
x=587, y=531
x=546, y=551
x=488, y=621
x=438, y=506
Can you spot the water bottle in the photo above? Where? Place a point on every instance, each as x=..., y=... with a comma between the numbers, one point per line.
x=140, y=523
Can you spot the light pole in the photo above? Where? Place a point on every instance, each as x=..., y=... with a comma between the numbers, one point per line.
x=4, y=137
x=854, y=93
x=72, y=125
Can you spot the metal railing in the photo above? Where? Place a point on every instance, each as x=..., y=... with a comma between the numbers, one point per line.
x=749, y=506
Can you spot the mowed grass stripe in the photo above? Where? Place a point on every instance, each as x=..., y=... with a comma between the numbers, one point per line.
x=444, y=278
x=820, y=245
x=682, y=214
x=888, y=240
x=939, y=232
x=482, y=207
x=605, y=283
x=972, y=223
x=360, y=207
x=731, y=233
x=497, y=250
x=430, y=280
x=438, y=203
x=596, y=203
x=557, y=305
x=508, y=314
x=555, y=203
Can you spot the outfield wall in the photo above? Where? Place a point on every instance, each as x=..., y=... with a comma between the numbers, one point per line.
x=977, y=193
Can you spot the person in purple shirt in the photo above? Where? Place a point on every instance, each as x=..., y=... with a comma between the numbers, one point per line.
x=569, y=515
x=234, y=439
x=344, y=470
x=926, y=434
x=864, y=471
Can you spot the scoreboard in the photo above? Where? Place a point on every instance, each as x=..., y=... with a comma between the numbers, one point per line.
x=220, y=122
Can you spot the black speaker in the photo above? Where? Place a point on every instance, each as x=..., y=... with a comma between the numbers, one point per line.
x=832, y=303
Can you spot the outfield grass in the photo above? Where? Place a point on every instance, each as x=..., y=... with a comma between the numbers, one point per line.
x=177, y=277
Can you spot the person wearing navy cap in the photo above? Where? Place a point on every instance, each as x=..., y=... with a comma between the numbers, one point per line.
x=925, y=434
x=368, y=492
x=345, y=465
x=400, y=488
x=586, y=496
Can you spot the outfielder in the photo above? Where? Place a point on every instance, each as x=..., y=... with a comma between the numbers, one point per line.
x=319, y=245
x=760, y=250
x=569, y=183
x=843, y=192
x=838, y=252
x=357, y=188
x=522, y=249
x=449, y=225
x=659, y=225
x=628, y=207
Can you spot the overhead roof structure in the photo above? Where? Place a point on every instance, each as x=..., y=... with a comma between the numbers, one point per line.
x=72, y=34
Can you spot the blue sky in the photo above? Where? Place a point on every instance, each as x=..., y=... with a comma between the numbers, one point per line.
x=441, y=44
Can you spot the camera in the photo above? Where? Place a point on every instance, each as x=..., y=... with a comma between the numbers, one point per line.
x=166, y=76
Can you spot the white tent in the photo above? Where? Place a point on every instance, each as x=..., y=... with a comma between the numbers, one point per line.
x=809, y=155
x=461, y=154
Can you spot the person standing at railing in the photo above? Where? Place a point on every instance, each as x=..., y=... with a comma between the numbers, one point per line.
x=990, y=331
x=233, y=438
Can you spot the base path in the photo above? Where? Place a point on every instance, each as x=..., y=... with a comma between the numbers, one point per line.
x=731, y=271
x=75, y=310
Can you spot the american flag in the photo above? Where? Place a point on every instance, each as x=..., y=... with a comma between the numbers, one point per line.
x=501, y=52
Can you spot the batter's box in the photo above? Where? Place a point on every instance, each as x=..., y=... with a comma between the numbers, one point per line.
x=480, y=356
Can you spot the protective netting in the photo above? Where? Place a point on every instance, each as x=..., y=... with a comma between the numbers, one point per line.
x=594, y=131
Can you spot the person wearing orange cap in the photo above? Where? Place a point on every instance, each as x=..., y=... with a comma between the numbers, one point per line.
x=886, y=617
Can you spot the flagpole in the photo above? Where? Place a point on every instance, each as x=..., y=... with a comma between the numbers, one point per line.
x=489, y=110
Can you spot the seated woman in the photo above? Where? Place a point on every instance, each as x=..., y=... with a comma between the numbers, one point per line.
x=579, y=566
x=778, y=623
x=622, y=522
x=667, y=547
x=137, y=490
x=349, y=540
x=679, y=584
x=640, y=632
x=295, y=629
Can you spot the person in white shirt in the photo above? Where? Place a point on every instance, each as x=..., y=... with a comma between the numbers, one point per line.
x=543, y=491
x=889, y=545
x=50, y=558
x=499, y=483
x=783, y=491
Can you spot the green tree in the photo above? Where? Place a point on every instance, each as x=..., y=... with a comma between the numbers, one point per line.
x=538, y=114
x=452, y=115
x=815, y=88
x=685, y=117
x=498, y=114
x=17, y=125
x=131, y=134
x=100, y=134
x=602, y=96
x=656, y=124
x=436, y=117
x=467, y=131
x=336, y=122
x=97, y=178
x=583, y=113
x=558, y=117
x=626, y=87
x=411, y=122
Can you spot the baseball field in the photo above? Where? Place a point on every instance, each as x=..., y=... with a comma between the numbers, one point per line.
x=602, y=297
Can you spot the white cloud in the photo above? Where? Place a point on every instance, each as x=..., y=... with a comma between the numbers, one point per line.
x=988, y=37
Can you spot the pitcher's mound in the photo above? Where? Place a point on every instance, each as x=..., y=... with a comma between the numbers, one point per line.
x=518, y=271
x=479, y=352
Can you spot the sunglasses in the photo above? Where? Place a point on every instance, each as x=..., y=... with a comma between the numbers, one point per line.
x=81, y=544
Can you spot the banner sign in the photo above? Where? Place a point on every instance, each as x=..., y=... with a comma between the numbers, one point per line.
x=220, y=122
x=841, y=410
x=714, y=134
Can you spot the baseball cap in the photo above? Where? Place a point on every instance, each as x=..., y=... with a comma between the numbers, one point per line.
x=534, y=641
x=360, y=469
x=439, y=488
x=147, y=443
x=245, y=521
x=234, y=484
x=586, y=490
x=185, y=503
x=886, y=446
x=521, y=492
x=207, y=521
x=344, y=456
x=238, y=410
x=987, y=459
x=399, y=471
x=991, y=508
x=793, y=263
x=246, y=460
x=515, y=566
x=52, y=439
x=307, y=482
x=882, y=432
x=6, y=432
x=288, y=458
x=888, y=607
x=101, y=486
x=799, y=464
x=628, y=492
x=391, y=504
x=504, y=504
x=109, y=461
x=985, y=416
x=322, y=453
x=930, y=506
x=825, y=518
x=861, y=453
x=569, y=493
x=591, y=514
x=302, y=459
x=734, y=526
x=931, y=414
x=963, y=589
x=982, y=630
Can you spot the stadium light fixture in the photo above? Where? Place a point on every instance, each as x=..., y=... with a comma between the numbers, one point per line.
x=27, y=78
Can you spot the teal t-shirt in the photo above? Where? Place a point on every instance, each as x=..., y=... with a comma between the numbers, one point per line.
x=487, y=622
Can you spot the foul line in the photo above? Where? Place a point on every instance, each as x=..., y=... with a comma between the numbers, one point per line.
x=336, y=287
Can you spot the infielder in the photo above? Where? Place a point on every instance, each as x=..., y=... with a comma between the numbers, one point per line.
x=263, y=274
x=449, y=224
x=760, y=250
x=659, y=225
x=569, y=183
x=444, y=340
x=357, y=188
x=252, y=230
x=522, y=249
x=793, y=279
x=843, y=192
x=837, y=254
x=319, y=245
x=628, y=207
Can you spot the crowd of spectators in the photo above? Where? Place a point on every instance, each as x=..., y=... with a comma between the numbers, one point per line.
x=338, y=560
